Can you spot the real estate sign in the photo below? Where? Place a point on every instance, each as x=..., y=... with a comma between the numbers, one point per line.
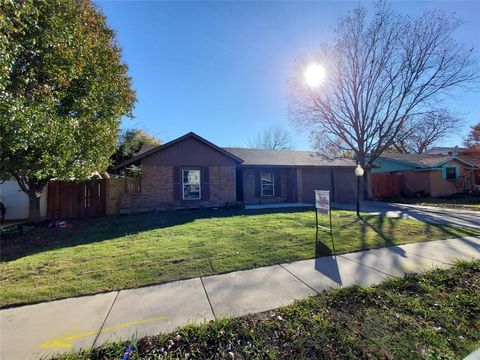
x=322, y=201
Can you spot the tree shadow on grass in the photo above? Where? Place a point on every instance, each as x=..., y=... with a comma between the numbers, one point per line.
x=385, y=227
x=15, y=245
x=379, y=227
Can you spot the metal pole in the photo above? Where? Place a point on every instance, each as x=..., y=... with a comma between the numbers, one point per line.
x=331, y=232
x=358, y=195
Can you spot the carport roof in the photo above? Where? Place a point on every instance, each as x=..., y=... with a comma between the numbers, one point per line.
x=260, y=157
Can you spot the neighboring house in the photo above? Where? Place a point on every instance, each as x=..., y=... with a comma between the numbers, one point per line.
x=17, y=202
x=436, y=175
x=192, y=172
x=443, y=150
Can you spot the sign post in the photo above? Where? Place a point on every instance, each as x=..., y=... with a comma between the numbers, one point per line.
x=322, y=205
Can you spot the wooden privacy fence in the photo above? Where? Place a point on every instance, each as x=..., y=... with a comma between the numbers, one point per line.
x=116, y=187
x=387, y=185
x=70, y=199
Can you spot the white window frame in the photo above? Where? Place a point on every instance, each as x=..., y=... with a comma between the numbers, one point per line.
x=273, y=183
x=199, y=184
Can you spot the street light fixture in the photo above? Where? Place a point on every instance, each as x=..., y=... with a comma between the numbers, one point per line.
x=358, y=173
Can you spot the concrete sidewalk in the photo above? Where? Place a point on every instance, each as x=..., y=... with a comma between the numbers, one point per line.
x=30, y=332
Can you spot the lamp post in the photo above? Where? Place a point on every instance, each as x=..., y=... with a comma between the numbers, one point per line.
x=358, y=173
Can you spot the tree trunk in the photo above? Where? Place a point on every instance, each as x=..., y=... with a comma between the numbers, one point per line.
x=34, y=206
x=33, y=189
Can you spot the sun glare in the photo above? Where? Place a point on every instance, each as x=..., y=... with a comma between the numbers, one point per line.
x=314, y=75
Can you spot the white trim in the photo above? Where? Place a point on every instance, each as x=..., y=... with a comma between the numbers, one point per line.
x=455, y=158
x=199, y=184
x=273, y=183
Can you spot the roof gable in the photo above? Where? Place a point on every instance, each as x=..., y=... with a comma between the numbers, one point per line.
x=170, y=144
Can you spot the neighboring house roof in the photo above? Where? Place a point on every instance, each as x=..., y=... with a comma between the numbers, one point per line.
x=444, y=150
x=261, y=157
x=424, y=160
x=157, y=148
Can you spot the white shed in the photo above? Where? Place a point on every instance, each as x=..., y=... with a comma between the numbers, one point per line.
x=16, y=201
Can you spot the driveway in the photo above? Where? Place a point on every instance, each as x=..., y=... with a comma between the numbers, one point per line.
x=428, y=214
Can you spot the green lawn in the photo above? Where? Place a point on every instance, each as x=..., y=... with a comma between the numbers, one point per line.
x=435, y=316
x=111, y=253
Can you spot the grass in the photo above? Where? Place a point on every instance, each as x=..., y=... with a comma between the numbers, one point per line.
x=110, y=253
x=434, y=316
x=456, y=202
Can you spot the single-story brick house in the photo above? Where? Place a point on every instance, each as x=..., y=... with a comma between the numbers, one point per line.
x=193, y=172
x=429, y=174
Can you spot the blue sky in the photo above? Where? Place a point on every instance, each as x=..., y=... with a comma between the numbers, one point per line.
x=220, y=69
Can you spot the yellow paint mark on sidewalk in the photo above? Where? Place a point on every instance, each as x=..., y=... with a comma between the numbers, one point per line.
x=421, y=265
x=65, y=340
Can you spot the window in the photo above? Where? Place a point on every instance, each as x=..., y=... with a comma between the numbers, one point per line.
x=191, y=184
x=267, y=184
x=451, y=173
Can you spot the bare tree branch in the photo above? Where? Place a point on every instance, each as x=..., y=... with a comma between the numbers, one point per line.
x=273, y=138
x=419, y=135
x=384, y=74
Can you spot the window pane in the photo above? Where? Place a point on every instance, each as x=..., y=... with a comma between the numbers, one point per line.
x=191, y=184
x=191, y=176
x=267, y=190
x=451, y=172
x=191, y=192
x=267, y=178
x=267, y=184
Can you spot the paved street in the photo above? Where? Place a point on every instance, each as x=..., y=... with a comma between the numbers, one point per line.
x=428, y=214
x=29, y=332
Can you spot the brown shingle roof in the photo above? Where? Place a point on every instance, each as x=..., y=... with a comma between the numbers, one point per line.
x=423, y=160
x=286, y=158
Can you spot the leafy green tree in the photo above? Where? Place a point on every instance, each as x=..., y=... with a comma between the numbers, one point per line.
x=130, y=142
x=63, y=92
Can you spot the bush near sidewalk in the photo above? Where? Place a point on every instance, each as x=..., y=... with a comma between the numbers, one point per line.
x=113, y=253
x=431, y=316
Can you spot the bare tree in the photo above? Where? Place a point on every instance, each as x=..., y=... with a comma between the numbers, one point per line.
x=429, y=130
x=382, y=73
x=335, y=148
x=273, y=138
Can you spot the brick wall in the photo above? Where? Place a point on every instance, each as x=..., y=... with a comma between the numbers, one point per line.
x=442, y=187
x=157, y=181
x=416, y=182
x=222, y=185
x=158, y=190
